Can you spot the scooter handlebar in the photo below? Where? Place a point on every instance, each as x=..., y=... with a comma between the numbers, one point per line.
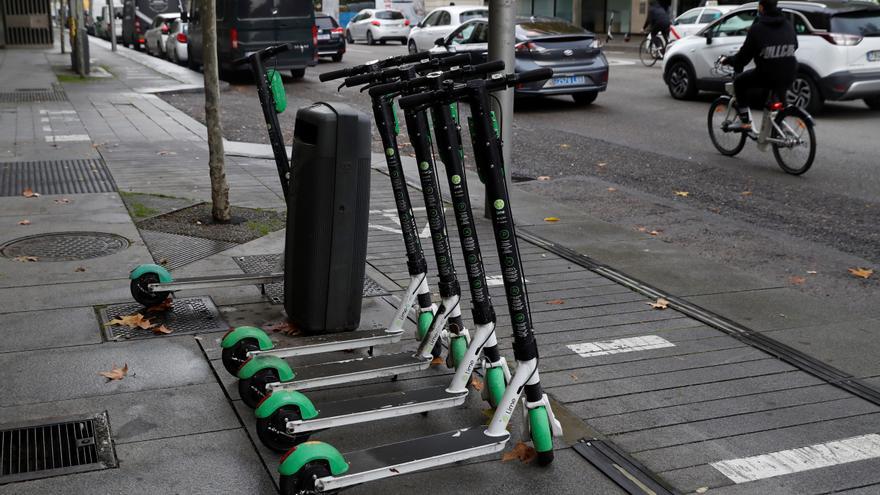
x=420, y=99
x=536, y=75
x=381, y=64
x=265, y=53
x=424, y=81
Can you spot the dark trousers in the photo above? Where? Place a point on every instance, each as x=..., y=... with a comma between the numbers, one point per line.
x=751, y=80
x=655, y=36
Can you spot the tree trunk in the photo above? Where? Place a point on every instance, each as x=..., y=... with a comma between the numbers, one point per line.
x=216, y=165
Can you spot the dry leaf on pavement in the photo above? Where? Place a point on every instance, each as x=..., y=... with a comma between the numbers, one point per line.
x=437, y=361
x=29, y=193
x=551, y=219
x=24, y=222
x=746, y=193
x=116, y=373
x=812, y=272
x=601, y=164
x=162, y=329
x=62, y=201
x=660, y=303
x=285, y=327
x=520, y=451
x=612, y=189
x=565, y=146
x=683, y=194
x=655, y=232
x=477, y=384
x=556, y=301
x=136, y=320
x=162, y=306
x=861, y=272
x=796, y=280
x=543, y=177
x=26, y=259
x=702, y=489
x=79, y=269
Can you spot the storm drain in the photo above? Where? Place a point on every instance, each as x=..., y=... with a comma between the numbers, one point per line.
x=68, y=445
x=268, y=263
x=33, y=95
x=186, y=315
x=56, y=177
x=65, y=246
x=174, y=250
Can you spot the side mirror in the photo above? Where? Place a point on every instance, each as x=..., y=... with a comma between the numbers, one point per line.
x=709, y=37
x=440, y=42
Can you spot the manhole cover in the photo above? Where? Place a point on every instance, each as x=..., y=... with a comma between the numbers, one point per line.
x=50, y=448
x=187, y=315
x=65, y=246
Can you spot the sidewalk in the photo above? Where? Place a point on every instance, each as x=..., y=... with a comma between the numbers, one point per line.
x=676, y=389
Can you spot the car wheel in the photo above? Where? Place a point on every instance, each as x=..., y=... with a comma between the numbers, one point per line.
x=585, y=98
x=873, y=102
x=348, y=37
x=370, y=40
x=337, y=57
x=804, y=93
x=681, y=81
x=298, y=73
x=411, y=47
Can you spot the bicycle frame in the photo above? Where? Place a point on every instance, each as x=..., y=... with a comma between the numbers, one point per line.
x=768, y=122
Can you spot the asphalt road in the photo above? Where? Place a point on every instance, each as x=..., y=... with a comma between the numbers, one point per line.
x=623, y=158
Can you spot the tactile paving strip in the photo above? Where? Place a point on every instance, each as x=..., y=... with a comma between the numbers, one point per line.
x=174, y=250
x=266, y=263
x=33, y=96
x=187, y=315
x=56, y=177
x=65, y=246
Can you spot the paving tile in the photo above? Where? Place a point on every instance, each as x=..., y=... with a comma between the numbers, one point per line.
x=833, y=343
x=49, y=329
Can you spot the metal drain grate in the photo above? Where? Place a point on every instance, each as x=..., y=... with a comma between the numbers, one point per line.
x=187, y=315
x=56, y=177
x=65, y=246
x=67, y=445
x=266, y=263
x=174, y=250
x=33, y=95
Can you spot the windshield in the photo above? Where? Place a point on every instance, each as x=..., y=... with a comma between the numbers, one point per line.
x=389, y=15
x=528, y=30
x=857, y=23
x=325, y=23
x=273, y=8
x=472, y=14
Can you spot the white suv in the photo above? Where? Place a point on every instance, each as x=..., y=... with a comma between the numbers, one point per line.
x=838, y=53
x=439, y=23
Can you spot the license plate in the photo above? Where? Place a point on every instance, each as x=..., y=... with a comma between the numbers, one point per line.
x=568, y=80
x=323, y=36
x=874, y=56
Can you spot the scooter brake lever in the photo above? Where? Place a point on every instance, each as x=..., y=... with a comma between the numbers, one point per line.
x=339, y=89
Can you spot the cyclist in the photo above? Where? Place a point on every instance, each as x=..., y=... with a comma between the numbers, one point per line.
x=658, y=22
x=771, y=42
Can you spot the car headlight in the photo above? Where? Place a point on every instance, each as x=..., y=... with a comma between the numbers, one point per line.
x=595, y=43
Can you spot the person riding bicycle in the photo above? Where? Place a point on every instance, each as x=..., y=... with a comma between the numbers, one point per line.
x=658, y=22
x=771, y=42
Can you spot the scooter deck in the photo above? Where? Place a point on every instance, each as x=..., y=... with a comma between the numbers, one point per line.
x=212, y=281
x=343, y=341
x=414, y=455
x=379, y=406
x=353, y=370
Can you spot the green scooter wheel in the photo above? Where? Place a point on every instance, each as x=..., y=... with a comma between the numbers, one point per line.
x=252, y=390
x=303, y=482
x=272, y=430
x=457, y=349
x=542, y=435
x=425, y=320
x=495, y=385
x=234, y=357
x=141, y=293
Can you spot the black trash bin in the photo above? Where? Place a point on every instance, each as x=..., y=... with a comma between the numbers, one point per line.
x=327, y=217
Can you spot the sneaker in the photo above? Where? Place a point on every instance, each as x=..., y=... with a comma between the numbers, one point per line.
x=743, y=124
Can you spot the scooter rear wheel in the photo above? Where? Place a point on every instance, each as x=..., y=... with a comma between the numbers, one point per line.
x=252, y=390
x=273, y=430
x=234, y=357
x=303, y=482
x=141, y=292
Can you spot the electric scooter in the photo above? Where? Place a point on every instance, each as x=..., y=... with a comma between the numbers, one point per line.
x=315, y=467
x=263, y=373
x=287, y=417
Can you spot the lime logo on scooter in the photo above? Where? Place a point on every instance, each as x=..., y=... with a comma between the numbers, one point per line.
x=499, y=204
x=424, y=165
x=504, y=234
x=456, y=179
x=389, y=151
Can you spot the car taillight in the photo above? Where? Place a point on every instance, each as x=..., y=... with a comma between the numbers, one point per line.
x=137, y=26
x=776, y=106
x=233, y=36
x=406, y=22
x=376, y=23
x=337, y=30
x=841, y=39
x=315, y=42
x=181, y=38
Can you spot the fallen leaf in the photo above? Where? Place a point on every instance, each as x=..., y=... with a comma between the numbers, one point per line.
x=116, y=373
x=79, y=269
x=796, y=280
x=163, y=261
x=520, y=451
x=556, y=301
x=655, y=232
x=601, y=164
x=660, y=303
x=285, y=327
x=393, y=470
x=565, y=146
x=612, y=189
x=162, y=306
x=136, y=320
x=642, y=229
x=551, y=219
x=543, y=177
x=162, y=329
x=477, y=384
x=701, y=490
x=24, y=222
x=62, y=201
x=574, y=377
x=29, y=193
x=861, y=272
x=812, y=272
x=683, y=194
x=26, y=259
x=746, y=193
x=437, y=361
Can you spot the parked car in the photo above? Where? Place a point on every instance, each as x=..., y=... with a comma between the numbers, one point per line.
x=838, y=53
x=176, y=44
x=331, y=42
x=155, y=37
x=580, y=69
x=244, y=27
x=439, y=23
x=373, y=26
x=695, y=19
x=102, y=27
x=137, y=17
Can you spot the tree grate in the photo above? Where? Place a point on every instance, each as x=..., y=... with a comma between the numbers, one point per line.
x=186, y=315
x=79, y=176
x=174, y=250
x=67, y=445
x=268, y=263
x=33, y=95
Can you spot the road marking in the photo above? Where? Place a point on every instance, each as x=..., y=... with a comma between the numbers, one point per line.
x=68, y=138
x=630, y=344
x=618, y=61
x=57, y=112
x=801, y=459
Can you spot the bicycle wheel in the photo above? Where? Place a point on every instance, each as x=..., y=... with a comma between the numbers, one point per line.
x=795, y=156
x=720, y=116
x=646, y=54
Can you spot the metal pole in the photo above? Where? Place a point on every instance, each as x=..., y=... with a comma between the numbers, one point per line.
x=112, y=15
x=62, y=20
x=501, y=39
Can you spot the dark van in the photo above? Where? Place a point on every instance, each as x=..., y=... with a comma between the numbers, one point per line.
x=137, y=17
x=245, y=26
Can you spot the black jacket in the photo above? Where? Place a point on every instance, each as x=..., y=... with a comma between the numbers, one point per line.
x=771, y=42
x=658, y=18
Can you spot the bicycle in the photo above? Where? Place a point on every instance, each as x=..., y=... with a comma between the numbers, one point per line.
x=650, y=51
x=788, y=129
